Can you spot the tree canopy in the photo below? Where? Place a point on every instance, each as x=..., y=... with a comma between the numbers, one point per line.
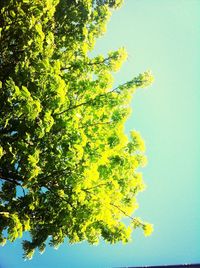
x=67, y=169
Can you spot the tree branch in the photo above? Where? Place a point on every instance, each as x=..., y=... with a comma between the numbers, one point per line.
x=121, y=211
x=10, y=180
x=87, y=64
x=95, y=98
x=112, y=204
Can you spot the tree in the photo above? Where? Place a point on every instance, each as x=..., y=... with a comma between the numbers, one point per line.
x=66, y=167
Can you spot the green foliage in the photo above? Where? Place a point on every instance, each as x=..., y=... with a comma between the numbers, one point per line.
x=66, y=167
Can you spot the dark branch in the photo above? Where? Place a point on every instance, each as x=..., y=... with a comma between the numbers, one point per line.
x=87, y=64
x=10, y=180
x=95, y=98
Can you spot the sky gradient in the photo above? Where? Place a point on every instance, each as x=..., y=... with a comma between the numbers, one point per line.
x=163, y=36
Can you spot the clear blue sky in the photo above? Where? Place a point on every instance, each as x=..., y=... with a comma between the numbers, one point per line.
x=164, y=36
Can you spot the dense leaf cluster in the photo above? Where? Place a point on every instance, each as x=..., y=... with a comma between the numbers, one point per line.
x=66, y=167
